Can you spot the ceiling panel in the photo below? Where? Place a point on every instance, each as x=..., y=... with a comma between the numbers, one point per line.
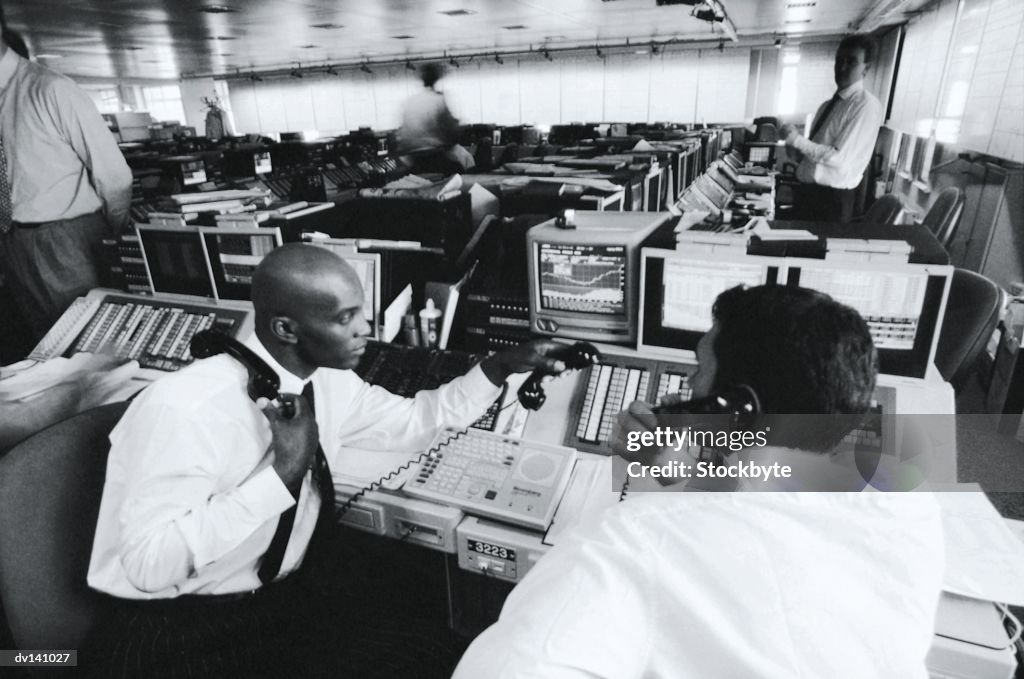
x=175, y=38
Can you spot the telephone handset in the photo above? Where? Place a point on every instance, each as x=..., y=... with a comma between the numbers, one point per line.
x=263, y=381
x=740, y=402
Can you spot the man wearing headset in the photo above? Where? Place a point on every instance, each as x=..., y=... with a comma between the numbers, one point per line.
x=784, y=584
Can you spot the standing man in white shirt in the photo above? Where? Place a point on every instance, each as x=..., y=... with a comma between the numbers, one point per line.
x=774, y=585
x=64, y=186
x=835, y=152
x=210, y=503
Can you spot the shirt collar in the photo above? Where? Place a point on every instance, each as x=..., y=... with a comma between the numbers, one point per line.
x=851, y=90
x=290, y=382
x=8, y=65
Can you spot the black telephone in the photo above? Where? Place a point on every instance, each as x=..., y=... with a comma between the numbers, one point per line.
x=739, y=401
x=263, y=381
x=577, y=356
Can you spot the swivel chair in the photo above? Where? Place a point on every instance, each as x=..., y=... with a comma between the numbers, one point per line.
x=886, y=210
x=943, y=216
x=972, y=312
x=50, y=490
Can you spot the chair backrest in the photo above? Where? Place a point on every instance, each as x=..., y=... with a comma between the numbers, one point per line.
x=50, y=490
x=972, y=312
x=943, y=216
x=885, y=210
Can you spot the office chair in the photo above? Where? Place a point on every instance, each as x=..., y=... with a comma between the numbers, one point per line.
x=972, y=312
x=943, y=216
x=50, y=490
x=886, y=210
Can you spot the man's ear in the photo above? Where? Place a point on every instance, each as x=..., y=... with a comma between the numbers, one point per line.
x=283, y=329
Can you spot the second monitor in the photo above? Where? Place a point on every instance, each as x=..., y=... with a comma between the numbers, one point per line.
x=584, y=279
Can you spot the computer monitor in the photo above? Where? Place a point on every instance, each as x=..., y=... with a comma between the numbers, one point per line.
x=247, y=162
x=678, y=290
x=583, y=281
x=175, y=261
x=725, y=141
x=706, y=185
x=234, y=254
x=367, y=266
x=188, y=170
x=903, y=305
x=761, y=153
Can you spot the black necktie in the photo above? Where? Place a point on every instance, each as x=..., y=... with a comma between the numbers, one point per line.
x=820, y=122
x=271, y=564
x=6, y=206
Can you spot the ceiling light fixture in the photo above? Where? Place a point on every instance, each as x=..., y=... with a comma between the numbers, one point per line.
x=721, y=46
x=598, y=52
x=457, y=12
x=255, y=78
x=296, y=73
x=217, y=9
x=778, y=43
x=453, y=63
x=328, y=26
x=365, y=67
x=547, y=54
x=654, y=48
x=409, y=66
x=498, y=59
x=330, y=71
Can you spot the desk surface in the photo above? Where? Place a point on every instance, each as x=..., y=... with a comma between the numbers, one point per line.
x=926, y=249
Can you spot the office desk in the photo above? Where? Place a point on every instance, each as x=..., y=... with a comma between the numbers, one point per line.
x=926, y=249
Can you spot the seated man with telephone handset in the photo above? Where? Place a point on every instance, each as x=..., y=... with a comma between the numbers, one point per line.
x=739, y=584
x=212, y=496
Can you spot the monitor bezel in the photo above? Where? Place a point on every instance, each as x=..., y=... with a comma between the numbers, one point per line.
x=914, y=363
x=141, y=229
x=654, y=339
x=220, y=284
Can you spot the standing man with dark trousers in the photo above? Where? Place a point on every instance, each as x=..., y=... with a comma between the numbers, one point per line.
x=836, y=151
x=64, y=186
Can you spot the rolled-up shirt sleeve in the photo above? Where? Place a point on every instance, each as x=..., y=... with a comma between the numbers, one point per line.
x=88, y=135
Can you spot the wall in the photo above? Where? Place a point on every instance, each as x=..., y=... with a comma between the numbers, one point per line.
x=705, y=85
x=962, y=76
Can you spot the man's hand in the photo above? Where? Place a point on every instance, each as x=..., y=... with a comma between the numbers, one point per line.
x=527, y=356
x=788, y=133
x=295, y=439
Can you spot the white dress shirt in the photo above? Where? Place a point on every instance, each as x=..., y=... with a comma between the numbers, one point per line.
x=843, y=146
x=426, y=123
x=62, y=161
x=709, y=585
x=191, y=501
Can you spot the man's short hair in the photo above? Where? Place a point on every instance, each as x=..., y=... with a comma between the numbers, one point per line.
x=801, y=351
x=861, y=42
x=431, y=72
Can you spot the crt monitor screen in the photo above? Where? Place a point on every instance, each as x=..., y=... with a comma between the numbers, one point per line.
x=193, y=173
x=902, y=304
x=761, y=154
x=582, y=278
x=678, y=292
x=234, y=255
x=262, y=163
x=175, y=261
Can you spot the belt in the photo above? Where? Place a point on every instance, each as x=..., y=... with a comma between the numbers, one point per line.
x=277, y=590
x=26, y=225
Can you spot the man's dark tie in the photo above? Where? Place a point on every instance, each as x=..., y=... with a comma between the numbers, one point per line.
x=6, y=206
x=823, y=118
x=271, y=564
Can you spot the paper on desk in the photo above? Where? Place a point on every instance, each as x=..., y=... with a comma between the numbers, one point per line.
x=984, y=559
x=788, y=234
x=589, y=493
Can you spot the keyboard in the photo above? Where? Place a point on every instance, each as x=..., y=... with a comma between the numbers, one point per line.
x=608, y=387
x=406, y=370
x=155, y=333
x=70, y=323
x=519, y=482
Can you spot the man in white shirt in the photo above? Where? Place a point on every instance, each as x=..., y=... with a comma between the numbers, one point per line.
x=835, y=152
x=210, y=503
x=428, y=136
x=64, y=186
x=748, y=584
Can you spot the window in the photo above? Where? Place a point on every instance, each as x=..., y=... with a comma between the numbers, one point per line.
x=164, y=102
